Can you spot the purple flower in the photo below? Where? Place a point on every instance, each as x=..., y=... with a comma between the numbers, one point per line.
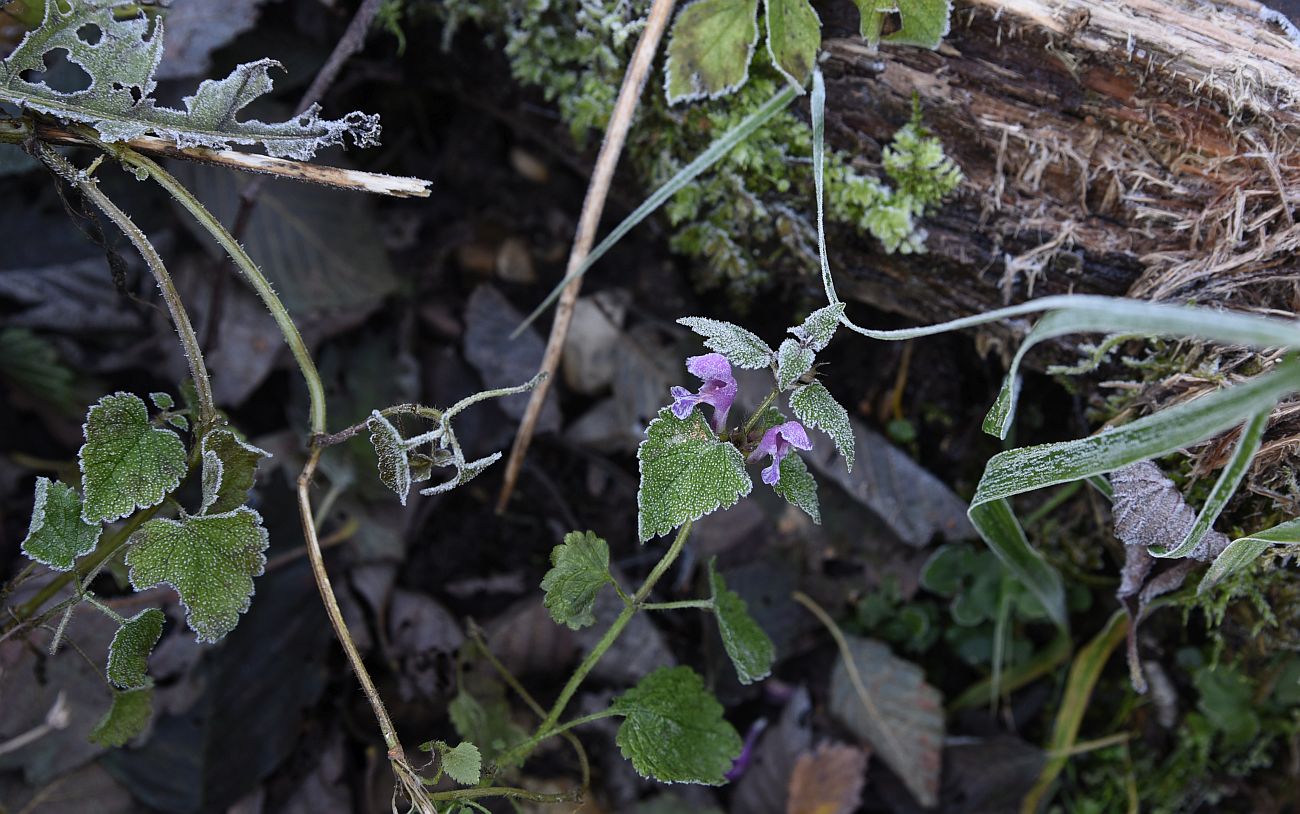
x=719, y=388
x=777, y=442
x=741, y=764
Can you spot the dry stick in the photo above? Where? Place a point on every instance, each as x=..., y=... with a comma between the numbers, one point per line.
x=592, y=208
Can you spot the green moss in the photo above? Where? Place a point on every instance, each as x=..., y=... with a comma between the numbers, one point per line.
x=748, y=216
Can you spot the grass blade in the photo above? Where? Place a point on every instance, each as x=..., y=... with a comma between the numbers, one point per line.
x=1242, y=552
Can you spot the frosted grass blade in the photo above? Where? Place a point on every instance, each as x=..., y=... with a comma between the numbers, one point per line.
x=1243, y=551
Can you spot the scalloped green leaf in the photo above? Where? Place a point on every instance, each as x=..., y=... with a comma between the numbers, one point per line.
x=126, y=463
x=819, y=328
x=750, y=649
x=463, y=763
x=709, y=49
x=57, y=534
x=162, y=401
x=797, y=485
x=921, y=22
x=794, y=33
x=673, y=729
x=121, y=61
x=125, y=719
x=128, y=654
x=239, y=461
x=686, y=473
x=793, y=359
x=209, y=560
x=814, y=405
x=741, y=347
x=391, y=454
x=579, y=569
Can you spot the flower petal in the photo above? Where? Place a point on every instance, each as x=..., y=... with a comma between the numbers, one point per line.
x=711, y=366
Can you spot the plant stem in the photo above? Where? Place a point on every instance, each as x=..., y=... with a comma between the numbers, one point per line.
x=703, y=604
x=538, y=737
x=762, y=408
x=105, y=609
x=335, y=438
x=180, y=318
x=503, y=791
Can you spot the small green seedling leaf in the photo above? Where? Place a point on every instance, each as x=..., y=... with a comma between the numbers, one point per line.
x=180, y=422
x=749, y=648
x=673, y=729
x=209, y=560
x=239, y=462
x=126, y=464
x=796, y=484
x=467, y=473
x=794, y=33
x=580, y=568
x=128, y=655
x=463, y=763
x=57, y=534
x=814, y=405
x=817, y=330
x=793, y=360
x=922, y=22
x=125, y=719
x=487, y=722
x=162, y=401
x=391, y=452
x=709, y=49
x=686, y=473
x=741, y=347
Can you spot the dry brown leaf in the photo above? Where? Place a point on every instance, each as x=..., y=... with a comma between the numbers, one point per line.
x=828, y=781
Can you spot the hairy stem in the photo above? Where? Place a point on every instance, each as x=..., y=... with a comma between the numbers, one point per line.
x=702, y=604
x=762, y=408
x=504, y=791
x=335, y=438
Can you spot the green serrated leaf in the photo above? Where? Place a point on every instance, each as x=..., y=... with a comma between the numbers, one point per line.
x=814, y=405
x=463, y=763
x=179, y=421
x=128, y=655
x=580, y=568
x=57, y=535
x=486, y=723
x=392, y=455
x=817, y=330
x=209, y=560
x=793, y=359
x=686, y=473
x=239, y=461
x=126, y=464
x=709, y=49
x=922, y=22
x=749, y=648
x=162, y=401
x=125, y=719
x=673, y=729
x=741, y=347
x=121, y=65
x=794, y=33
x=796, y=484
x=467, y=473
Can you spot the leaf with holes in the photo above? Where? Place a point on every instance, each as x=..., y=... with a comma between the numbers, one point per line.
x=579, y=569
x=793, y=359
x=741, y=347
x=921, y=22
x=686, y=473
x=749, y=648
x=125, y=719
x=128, y=655
x=209, y=560
x=391, y=454
x=57, y=535
x=794, y=33
x=796, y=484
x=673, y=729
x=817, y=330
x=119, y=46
x=709, y=49
x=814, y=405
x=126, y=464
x=239, y=461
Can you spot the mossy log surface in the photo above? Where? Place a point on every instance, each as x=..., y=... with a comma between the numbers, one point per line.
x=1142, y=148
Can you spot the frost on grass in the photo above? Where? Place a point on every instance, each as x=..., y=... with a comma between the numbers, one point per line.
x=209, y=560
x=686, y=473
x=126, y=463
x=579, y=569
x=128, y=654
x=119, y=47
x=57, y=534
x=749, y=648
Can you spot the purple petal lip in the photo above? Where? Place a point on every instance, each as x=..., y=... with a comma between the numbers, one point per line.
x=718, y=390
x=777, y=442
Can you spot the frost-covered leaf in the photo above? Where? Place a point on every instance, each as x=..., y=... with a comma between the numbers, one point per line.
x=239, y=462
x=794, y=33
x=673, y=729
x=128, y=655
x=796, y=484
x=210, y=481
x=741, y=347
x=579, y=569
x=391, y=454
x=686, y=473
x=463, y=763
x=57, y=534
x=818, y=329
x=119, y=47
x=922, y=22
x=163, y=401
x=126, y=463
x=895, y=712
x=126, y=718
x=793, y=359
x=180, y=422
x=467, y=473
x=709, y=49
x=828, y=780
x=814, y=405
x=749, y=648
x=209, y=560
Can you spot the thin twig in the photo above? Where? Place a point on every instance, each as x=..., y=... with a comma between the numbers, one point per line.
x=592, y=208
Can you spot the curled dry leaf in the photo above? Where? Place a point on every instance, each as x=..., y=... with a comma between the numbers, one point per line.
x=828, y=780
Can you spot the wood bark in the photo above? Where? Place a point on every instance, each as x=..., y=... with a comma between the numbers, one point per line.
x=1143, y=148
